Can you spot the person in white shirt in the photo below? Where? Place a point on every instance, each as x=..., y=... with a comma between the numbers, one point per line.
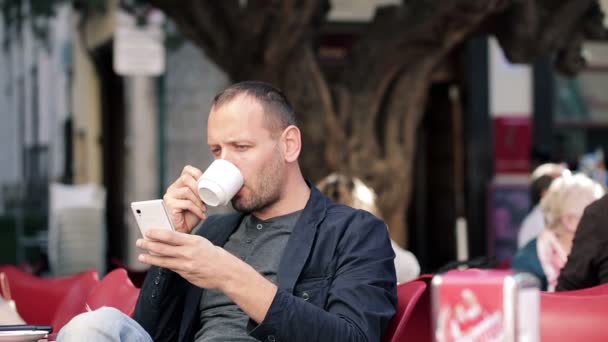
x=534, y=223
x=354, y=193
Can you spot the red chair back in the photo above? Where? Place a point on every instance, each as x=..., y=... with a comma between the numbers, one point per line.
x=115, y=290
x=74, y=303
x=419, y=326
x=39, y=299
x=408, y=295
x=601, y=289
x=573, y=318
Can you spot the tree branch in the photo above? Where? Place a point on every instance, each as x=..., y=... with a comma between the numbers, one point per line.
x=533, y=28
x=209, y=24
x=284, y=35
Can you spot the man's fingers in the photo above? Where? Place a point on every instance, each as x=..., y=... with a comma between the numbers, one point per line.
x=169, y=237
x=191, y=182
x=192, y=171
x=185, y=180
x=184, y=193
x=178, y=206
x=186, y=187
x=171, y=263
x=189, y=177
x=160, y=248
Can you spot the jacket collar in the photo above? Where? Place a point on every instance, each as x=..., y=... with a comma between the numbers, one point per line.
x=301, y=240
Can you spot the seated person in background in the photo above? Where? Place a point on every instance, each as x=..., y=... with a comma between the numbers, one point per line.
x=534, y=222
x=587, y=264
x=562, y=205
x=290, y=265
x=354, y=193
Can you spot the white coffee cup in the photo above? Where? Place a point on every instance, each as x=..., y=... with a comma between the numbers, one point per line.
x=219, y=183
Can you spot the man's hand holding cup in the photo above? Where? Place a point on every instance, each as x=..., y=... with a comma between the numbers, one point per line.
x=187, y=198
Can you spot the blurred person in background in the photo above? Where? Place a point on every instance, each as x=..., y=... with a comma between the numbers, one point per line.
x=354, y=193
x=562, y=206
x=587, y=264
x=534, y=222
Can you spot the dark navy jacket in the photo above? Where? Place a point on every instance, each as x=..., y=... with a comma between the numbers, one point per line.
x=336, y=281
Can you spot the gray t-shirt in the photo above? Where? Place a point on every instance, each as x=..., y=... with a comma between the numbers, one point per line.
x=260, y=244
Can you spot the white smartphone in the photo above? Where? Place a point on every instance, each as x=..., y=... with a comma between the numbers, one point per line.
x=151, y=214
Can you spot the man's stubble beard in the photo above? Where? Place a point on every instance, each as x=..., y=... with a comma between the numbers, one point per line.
x=268, y=192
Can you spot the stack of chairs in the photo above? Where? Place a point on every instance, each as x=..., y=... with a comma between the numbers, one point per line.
x=77, y=230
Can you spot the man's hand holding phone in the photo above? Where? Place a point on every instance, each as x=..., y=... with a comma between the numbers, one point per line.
x=195, y=258
x=179, y=211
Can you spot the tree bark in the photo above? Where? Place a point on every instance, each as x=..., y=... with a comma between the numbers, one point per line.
x=387, y=95
x=530, y=29
x=365, y=124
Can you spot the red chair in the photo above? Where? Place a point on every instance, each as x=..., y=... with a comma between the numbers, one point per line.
x=73, y=304
x=115, y=290
x=573, y=318
x=419, y=326
x=408, y=295
x=601, y=289
x=39, y=300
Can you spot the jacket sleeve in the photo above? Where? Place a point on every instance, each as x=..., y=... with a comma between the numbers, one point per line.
x=361, y=299
x=161, y=303
x=587, y=263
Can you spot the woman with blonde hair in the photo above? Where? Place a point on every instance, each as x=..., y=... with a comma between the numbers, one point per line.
x=562, y=206
x=353, y=192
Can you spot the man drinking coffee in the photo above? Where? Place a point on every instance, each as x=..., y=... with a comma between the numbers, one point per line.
x=290, y=265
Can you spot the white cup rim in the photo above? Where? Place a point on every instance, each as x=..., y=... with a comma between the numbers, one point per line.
x=215, y=188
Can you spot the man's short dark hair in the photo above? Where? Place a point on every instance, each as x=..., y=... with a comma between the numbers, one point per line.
x=277, y=109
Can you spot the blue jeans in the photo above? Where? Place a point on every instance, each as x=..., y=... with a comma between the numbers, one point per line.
x=103, y=324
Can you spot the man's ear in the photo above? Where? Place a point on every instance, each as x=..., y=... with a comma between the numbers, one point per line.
x=291, y=143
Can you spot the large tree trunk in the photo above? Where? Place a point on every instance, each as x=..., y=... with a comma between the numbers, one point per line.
x=269, y=41
x=384, y=96
x=365, y=124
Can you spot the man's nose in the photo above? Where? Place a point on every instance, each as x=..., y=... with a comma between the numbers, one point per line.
x=226, y=156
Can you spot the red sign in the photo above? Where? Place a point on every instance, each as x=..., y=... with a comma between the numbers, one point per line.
x=512, y=144
x=470, y=306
